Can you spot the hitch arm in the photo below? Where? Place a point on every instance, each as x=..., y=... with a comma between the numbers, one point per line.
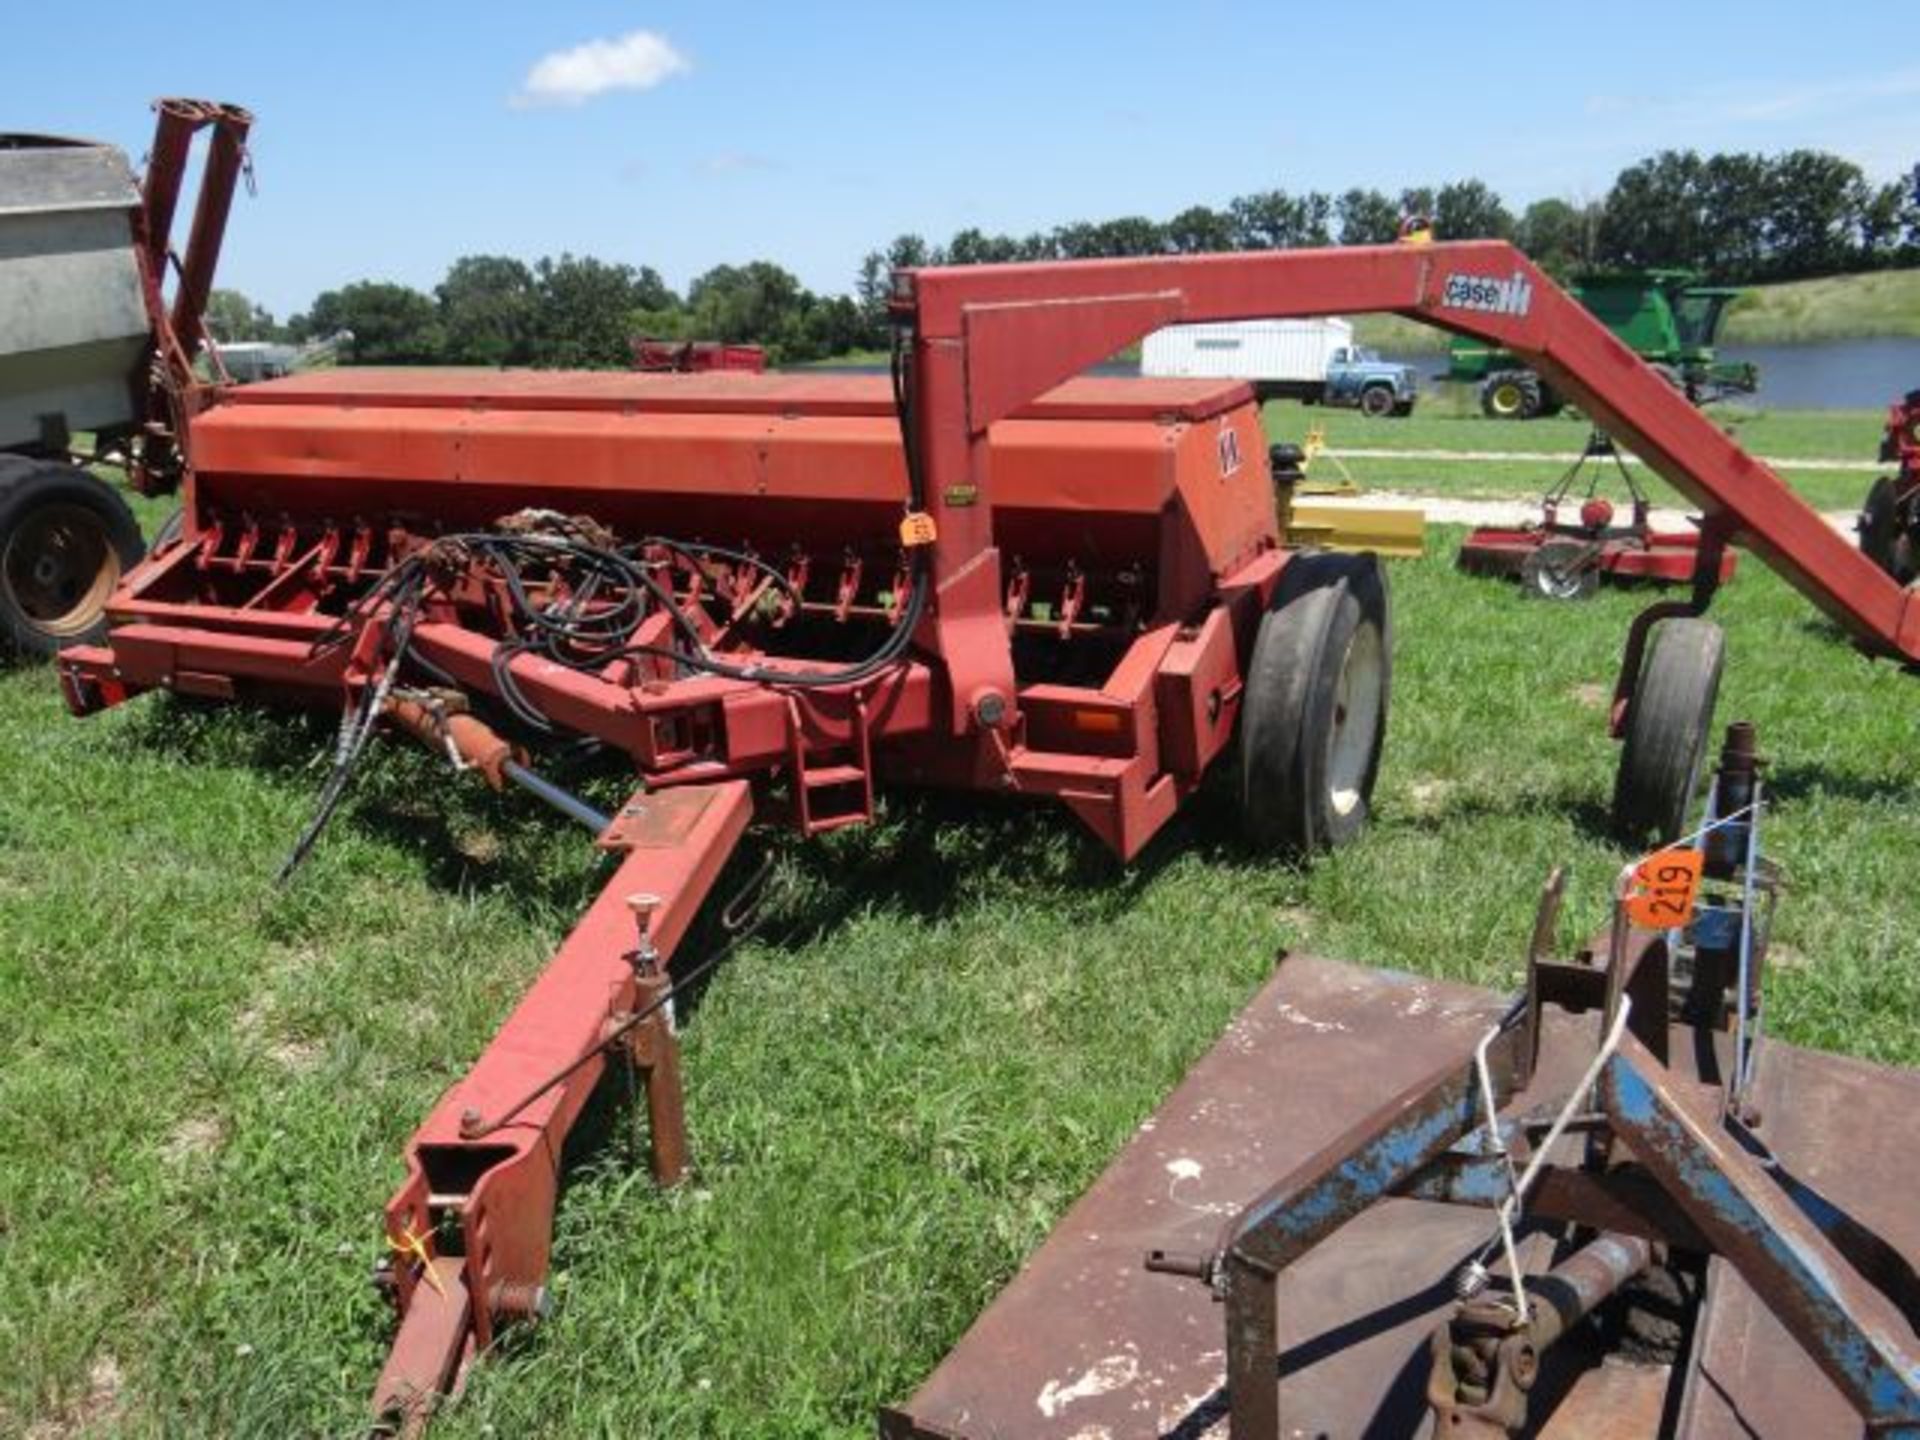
x=471, y=1228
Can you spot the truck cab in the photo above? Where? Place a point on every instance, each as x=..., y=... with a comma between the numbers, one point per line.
x=1357, y=376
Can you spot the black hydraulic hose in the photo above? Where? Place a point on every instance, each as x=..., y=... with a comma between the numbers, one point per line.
x=566, y=631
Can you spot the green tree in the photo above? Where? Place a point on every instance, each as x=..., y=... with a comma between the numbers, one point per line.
x=1469, y=210
x=487, y=306
x=756, y=303
x=875, y=283
x=1129, y=235
x=1882, y=224
x=974, y=247
x=1199, y=230
x=390, y=324
x=585, y=309
x=1275, y=220
x=232, y=317
x=1366, y=217
x=1733, y=207
x=1816, y=203
x=1558, y=235
x=1654, y=212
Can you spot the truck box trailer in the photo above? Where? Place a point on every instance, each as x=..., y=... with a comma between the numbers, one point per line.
x=1314, y=361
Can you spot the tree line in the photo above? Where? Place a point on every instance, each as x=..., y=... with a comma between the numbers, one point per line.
x=573, y=311
x=1735, y=218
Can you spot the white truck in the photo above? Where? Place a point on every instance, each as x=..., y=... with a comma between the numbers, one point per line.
x=1314, y=361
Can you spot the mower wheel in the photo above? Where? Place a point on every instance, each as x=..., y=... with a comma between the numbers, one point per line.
x=1561, y=569
x=65, y=539
x=1510, y=395
x=1884, y=539
x=1668, y=725
x=1377, y=401
x=1314, y=713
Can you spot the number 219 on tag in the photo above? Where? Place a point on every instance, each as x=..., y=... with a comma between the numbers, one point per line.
x=1661, y=893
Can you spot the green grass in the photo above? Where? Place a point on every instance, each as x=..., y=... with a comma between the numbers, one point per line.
x=1835, y=307
x=1777, y=434
x=955, y=1019
x=1792, y=312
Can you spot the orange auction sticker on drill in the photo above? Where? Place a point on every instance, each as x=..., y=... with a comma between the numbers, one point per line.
x=1660, y=894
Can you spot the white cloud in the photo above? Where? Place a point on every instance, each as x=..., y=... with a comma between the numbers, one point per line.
x=738, y=162
x=638, y=60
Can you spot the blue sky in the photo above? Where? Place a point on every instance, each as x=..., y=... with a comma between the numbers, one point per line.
x=392, y=138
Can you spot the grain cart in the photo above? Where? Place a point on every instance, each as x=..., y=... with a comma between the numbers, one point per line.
x=772, y=593
x=89, y=346
x=1665, y=317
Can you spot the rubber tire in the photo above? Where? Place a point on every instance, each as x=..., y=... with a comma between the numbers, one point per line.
x=1668, y=726
x=1287, y=708
x=1882, y=539
x=26, y=485
x=1527, y=388
x=1377, y=401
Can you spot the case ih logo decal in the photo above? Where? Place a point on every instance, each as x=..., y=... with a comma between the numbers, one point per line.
x=1481, y=292
x=1229, y=442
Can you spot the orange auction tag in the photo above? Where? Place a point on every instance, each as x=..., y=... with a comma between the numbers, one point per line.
x=1660, y=894
x=917, y=529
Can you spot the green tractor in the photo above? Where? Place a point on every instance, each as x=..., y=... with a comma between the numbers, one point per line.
x=1663, y=316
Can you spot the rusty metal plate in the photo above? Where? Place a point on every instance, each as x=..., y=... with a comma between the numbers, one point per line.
x=1834, y=1123
x=1084, y=1344
x=657, y=819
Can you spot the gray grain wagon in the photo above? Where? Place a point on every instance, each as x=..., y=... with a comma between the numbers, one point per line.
x=89, y=349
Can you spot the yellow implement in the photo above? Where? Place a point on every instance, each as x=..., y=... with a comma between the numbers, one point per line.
x=1336, y=514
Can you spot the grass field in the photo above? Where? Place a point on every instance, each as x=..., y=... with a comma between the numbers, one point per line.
x=1835, y=307
x=1777, y=434
x=955, y=1017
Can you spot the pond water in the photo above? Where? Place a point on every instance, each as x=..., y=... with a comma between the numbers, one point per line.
x=1833, y=374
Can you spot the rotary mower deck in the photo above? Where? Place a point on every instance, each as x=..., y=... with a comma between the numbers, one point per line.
x=1694, y=1231
x=1558, y=559
x=770, y=594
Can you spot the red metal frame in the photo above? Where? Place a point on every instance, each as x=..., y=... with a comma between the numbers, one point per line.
x=1667, y=557
x=991, y=337
x=166, y=389
x=1142, y=513
x=688, y=357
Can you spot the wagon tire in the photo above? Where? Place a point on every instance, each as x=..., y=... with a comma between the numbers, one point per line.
x=66, y=537
x=1377, y=401
x=1314, y=714
x=1883, y=538
x=1668, y=724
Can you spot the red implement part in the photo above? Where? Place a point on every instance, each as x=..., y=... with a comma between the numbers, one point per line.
x=483, y=1170
x=1141, y=513
x=1668, y=557
x=167, y=391
x=689, y=356
x=990, y=337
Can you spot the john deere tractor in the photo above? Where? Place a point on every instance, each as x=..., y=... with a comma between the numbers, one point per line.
x=1664, y=316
